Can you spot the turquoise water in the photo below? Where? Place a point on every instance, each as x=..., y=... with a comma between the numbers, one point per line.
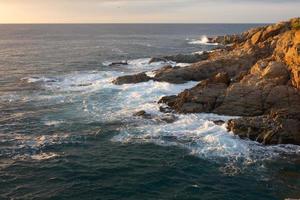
x=66, y=132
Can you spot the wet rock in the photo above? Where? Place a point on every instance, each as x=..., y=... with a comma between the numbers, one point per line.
x=129, y=79
x=219, y=122
x=143, y=114
x=267, y=129
x=118, y=63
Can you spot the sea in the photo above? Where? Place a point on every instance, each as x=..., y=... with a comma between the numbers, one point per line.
x=67, y=132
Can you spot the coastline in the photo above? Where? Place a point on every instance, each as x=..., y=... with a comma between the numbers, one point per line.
x=255, y=75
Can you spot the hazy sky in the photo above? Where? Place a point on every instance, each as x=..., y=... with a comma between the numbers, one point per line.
x=146, y=11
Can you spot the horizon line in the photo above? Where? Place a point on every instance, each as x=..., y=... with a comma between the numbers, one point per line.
x=133, y=23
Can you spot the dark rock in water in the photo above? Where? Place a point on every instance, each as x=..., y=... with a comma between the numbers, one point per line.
x=169, y=100
x=169, y=118
x=157, y=59
x=275, y=128
x=219, y=122
x=128, y=79
x=118, y=63
x=143, y=114
x=181, y=58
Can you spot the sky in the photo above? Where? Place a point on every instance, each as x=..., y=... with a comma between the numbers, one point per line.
x=147, y=11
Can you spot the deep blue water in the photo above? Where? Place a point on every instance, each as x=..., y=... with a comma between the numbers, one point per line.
x=66, y=132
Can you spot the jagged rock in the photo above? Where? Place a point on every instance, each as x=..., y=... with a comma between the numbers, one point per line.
x=128, y=79
x=202, y=98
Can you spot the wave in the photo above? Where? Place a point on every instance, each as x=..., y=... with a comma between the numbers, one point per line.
x=38, y=79
x=97, y=99
x=141, y=64
x=204, y=40
x=198, y=134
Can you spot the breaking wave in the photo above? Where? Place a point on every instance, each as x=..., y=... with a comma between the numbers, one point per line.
x=99, y=100
x=204, y=40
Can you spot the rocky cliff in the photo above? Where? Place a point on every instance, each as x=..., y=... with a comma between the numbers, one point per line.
x=256, y=77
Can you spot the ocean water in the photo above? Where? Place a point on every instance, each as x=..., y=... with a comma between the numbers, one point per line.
x=66, y=132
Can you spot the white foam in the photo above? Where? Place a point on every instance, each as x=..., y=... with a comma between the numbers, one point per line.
x=141, y=64
x=38, y=79
x=195, y=132
x=203, y=41
x=198, y=134
x=183, y=64
x=53, y=122
x=44, y=156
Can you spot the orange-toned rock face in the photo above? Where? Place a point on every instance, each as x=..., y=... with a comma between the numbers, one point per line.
x=288, y=51
x=292, y=58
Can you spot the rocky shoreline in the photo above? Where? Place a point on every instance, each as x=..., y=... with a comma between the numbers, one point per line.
x=255, y=75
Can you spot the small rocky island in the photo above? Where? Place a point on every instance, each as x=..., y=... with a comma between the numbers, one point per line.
x=255, y=75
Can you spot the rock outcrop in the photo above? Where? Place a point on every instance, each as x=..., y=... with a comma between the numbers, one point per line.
x=136, y=78
x=257, y=78
x=182, y=58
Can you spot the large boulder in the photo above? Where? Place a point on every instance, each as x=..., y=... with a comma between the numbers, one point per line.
x=229, y=63
x=204, y=97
